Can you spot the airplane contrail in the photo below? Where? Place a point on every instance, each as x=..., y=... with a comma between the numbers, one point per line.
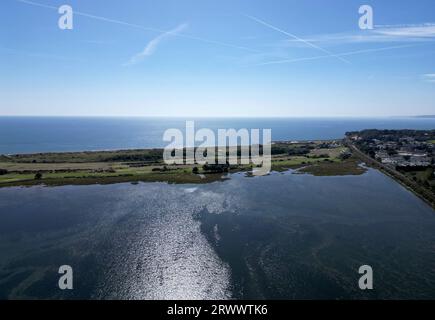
x=339, y=55
x=137, y=26
x=297, y=38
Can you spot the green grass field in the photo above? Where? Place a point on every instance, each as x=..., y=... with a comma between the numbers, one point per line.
x=135, y=165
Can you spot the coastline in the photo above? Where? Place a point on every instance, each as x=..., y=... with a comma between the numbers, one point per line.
x=322, y=157
x=411, y=186
x=146, y=165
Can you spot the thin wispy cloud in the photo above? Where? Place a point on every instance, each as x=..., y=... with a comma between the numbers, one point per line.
x=151, y=47
x=429, y=77
x=380, y=34
x=297, y=38
x=426, y=30
x=137, y=26
x=345, y=54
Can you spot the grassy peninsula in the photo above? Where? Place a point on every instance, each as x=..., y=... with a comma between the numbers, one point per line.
x=105, y=167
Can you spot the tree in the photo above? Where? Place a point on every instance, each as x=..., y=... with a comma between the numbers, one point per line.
x=38, y=176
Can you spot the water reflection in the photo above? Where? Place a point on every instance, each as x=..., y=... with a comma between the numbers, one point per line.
x=280, y=236
x=160, y=251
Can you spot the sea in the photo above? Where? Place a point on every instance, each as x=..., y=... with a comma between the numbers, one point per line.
x=61, y=134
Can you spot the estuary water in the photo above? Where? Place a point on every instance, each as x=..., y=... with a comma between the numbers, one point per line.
x=284, y=236
x=49, y=134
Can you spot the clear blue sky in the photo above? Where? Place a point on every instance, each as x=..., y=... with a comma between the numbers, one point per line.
x=217, y=58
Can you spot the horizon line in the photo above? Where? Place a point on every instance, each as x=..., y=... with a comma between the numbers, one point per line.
x=221, y=117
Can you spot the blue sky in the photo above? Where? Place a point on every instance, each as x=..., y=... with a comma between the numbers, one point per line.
x=217, y=58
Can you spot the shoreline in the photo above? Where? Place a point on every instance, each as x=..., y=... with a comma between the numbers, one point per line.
x=325, y=158
x=321, y=157
x=302, y=141
x=413, y=187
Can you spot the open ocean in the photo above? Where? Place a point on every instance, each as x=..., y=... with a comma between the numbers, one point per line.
x=51, y=134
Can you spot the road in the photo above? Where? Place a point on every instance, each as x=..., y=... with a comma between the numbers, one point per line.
x=419, y=190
